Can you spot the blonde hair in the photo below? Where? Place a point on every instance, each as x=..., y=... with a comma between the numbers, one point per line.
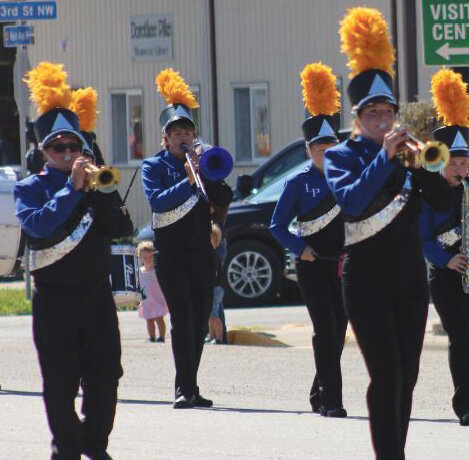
x=216, y=234
x=145, y=246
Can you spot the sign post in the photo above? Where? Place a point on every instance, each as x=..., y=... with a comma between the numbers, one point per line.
x=20, y=36
x=445, y=25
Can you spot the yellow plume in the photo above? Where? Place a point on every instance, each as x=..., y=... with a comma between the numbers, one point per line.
x=174, y=89
x=365, y=40
x=320, y=95
x=47, y=83
x=450, y=97
x=84, y=104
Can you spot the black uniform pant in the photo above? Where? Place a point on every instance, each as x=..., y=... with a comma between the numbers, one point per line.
x=388, y=314
x=77, y=338
x=320, y=286
x=187, y=278
x=452, y=304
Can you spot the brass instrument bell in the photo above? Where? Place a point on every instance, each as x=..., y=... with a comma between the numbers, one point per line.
x=430, y=155
x=102, y=178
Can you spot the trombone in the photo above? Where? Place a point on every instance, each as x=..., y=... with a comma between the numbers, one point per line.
x=102, y=178
x=193, y=167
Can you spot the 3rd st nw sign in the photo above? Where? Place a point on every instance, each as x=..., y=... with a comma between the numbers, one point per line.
x=445, y=32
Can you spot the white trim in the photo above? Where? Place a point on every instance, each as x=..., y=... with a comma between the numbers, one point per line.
x=131, y=163
x=253, y=161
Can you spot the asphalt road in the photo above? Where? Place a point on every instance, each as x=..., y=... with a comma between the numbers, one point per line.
x=261, y=399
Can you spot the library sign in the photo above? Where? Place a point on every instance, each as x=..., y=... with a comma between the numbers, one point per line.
x=151, y=38
x=445, y=32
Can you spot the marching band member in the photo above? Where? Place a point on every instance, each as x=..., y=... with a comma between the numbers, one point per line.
x=441, y=234
x=384, y=274
x=184, y=260
x=68, y=232
x=319, y=242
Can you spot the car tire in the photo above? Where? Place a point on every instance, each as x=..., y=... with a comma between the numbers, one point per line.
x=252, y=275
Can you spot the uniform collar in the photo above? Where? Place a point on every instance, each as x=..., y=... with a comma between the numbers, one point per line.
x=172, y=159
x=368, y=146
x=55, y=175
x=314, y=171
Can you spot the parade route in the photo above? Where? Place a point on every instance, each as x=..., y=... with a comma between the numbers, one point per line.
x=261, y=407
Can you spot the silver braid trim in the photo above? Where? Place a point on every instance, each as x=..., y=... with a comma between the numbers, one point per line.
x=163, y=219
x=313, y=226
x=355, y=232
x=447, y=239
x=40, y=258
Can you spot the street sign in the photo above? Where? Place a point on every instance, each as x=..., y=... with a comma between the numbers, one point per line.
x=445, y=32
x=18, y=35
x=27, y=11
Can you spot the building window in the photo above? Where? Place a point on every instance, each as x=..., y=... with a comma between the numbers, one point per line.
x=251, y=116
x=127, y=126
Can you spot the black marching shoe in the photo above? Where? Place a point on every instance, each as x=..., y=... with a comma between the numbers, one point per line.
x=464, y=421
x=181, y=402
x=200, y=401
x=336, y=412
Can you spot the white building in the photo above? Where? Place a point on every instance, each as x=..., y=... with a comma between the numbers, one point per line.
x=118, y=47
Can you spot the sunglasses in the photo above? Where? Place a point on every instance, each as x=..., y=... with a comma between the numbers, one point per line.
x=62, y=146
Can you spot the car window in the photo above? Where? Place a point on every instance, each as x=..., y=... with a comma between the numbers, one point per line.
x=287, y=161
x=272, y=191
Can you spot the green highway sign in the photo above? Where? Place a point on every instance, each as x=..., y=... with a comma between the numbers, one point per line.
x=445, y=25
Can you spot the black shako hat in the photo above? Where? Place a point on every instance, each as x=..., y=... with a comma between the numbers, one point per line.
x=319, y=130
x=455, y=137
x=371, y=86
x=55, y=123
x=175, y=112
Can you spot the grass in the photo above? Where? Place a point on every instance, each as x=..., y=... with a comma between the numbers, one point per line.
x=13, y=302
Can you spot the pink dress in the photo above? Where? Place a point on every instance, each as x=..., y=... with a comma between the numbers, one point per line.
x=153, y=303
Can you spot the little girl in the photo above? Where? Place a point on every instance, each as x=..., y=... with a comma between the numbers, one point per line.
x=153, y=306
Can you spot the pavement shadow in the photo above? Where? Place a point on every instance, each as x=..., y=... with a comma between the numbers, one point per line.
x=4, y=392
x=435, y=420
x=257, y=411
x=145, y=402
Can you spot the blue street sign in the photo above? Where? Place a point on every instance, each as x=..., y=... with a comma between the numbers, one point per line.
x=27, y=11
x=18, y=35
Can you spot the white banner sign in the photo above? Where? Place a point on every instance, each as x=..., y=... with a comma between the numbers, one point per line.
x=151, y=38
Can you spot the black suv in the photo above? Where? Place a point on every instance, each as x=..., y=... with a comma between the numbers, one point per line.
x=256, y=263
x=281, y=162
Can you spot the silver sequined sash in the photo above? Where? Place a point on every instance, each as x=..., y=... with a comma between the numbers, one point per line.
x=366, y=228
x=313, y=226
x=449, y=238
x=163, y=219
x=40, y=258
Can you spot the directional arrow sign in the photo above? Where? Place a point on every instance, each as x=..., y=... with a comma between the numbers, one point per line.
x=446, y=32
x=446, y=51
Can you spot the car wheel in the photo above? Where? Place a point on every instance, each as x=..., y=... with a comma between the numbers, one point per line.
x=253, y=273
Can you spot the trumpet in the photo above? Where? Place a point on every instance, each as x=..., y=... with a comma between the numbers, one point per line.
x=102, y=178
x=430, y=155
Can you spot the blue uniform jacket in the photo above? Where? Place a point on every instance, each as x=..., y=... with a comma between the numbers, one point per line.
x=301, y=194
x=165, y=182
x=44, y=201
x=430, y=222
x=356, y=171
